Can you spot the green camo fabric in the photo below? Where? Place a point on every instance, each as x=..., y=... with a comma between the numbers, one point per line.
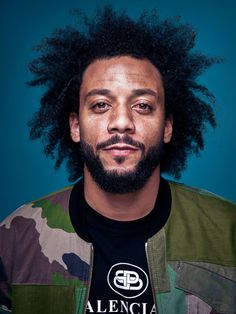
x=192, y=259
x=202, y=227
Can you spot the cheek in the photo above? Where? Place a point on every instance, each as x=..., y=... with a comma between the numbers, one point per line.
x=151, y=132
x=92, y=130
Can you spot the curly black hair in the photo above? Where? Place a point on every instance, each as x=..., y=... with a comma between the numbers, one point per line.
x=167, y=44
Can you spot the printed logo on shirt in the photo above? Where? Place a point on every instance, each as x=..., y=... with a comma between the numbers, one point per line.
x=128, y=280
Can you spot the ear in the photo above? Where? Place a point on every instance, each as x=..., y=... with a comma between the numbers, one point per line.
x=74, y=127
x=168, y=129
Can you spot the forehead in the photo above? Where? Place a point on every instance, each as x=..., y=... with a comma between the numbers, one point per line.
x=123, y=70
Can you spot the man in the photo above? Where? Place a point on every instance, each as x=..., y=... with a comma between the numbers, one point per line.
x=121, y=106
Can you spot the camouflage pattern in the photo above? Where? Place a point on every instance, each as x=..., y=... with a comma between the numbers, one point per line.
x=45, y=267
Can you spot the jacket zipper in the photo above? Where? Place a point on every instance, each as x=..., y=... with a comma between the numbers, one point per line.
x=90, y=277
x=150, y=275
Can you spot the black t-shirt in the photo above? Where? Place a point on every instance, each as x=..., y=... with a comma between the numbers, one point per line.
x=120, y=277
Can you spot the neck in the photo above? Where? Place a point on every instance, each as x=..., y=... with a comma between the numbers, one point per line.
x=123, y=207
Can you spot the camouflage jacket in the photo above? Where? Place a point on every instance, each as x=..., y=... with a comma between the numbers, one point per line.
x=45, y=267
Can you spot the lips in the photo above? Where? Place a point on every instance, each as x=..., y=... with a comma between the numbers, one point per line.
x=121, y=150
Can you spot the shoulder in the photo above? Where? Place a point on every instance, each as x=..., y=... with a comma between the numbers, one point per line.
x=52, y=209
x=184, y=196
x=35, y=227
x=201, y=227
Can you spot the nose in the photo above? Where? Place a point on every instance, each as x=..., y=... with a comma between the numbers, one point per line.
x=121, y=120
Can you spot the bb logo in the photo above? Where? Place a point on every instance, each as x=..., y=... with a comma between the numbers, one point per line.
x=127, y=280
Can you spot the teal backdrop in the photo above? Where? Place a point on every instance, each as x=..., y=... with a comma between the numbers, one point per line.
x=25, y=172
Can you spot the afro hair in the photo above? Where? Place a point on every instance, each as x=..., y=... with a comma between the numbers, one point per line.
x=167, y=44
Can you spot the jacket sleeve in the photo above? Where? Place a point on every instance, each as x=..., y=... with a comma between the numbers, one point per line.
x=7, y=239
x=5, y=303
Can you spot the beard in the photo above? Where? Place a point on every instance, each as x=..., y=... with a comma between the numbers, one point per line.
x=120, y=183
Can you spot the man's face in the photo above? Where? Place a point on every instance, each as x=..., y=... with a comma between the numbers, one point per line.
x=121, y=119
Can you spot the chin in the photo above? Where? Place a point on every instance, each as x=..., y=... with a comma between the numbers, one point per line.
x=120, y=169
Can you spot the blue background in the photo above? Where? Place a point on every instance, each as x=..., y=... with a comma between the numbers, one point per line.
x=25, y=172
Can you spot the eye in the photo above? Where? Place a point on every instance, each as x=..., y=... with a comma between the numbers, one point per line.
x=100, y=107
x=143, y=108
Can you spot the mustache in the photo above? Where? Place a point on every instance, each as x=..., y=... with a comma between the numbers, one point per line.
x=116, y=139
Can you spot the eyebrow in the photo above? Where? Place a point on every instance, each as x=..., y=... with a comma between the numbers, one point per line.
x=135, y=92
x=145, y=91
x=94, y=92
